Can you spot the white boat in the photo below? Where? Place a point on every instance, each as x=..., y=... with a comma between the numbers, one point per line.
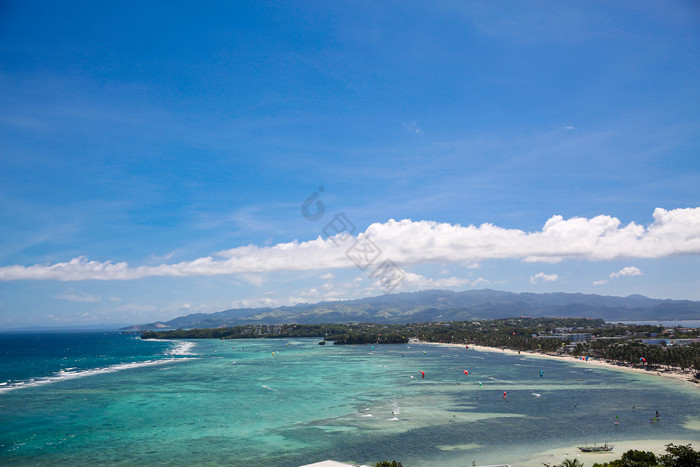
x=596, y=448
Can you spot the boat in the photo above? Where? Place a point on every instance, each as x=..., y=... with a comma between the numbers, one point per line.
x=596, y=448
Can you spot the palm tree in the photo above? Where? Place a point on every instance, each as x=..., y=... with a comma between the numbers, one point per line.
x=571, y=463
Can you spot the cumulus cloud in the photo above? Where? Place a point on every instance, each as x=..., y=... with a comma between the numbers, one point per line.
x=600, y=282
x=542, y=277
x=480, y=282
x=674, y=232
x=628, y=271
x=267, y=302
x=412, y=280
x=311, y=293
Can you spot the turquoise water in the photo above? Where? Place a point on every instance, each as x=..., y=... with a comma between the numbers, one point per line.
x=235, y=403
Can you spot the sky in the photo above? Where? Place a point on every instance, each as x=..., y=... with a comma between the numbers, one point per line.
x=160, y=159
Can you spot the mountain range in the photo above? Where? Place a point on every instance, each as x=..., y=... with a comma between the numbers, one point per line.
x=446, y=305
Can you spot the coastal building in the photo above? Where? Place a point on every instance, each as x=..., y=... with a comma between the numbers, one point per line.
x=672, y=342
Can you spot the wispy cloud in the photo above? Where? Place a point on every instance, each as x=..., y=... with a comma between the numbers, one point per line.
x=413, y=128
x=417, y=281
x=542, y=277
x=78, y=297
x=674, y=232
x=254, y=279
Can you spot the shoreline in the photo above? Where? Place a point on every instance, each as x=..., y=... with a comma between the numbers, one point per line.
x=557, y=455
x=674, y=374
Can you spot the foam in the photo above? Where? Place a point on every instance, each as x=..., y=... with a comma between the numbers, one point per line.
x=66, y=374
x=181, y=348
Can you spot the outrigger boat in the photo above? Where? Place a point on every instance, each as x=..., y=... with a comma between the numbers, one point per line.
x=595, y=448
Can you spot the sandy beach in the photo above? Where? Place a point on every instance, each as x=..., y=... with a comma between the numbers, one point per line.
x=558, y=455
x=687, y=376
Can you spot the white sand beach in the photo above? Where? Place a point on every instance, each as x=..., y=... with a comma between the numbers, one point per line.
x=687, y=376
x=558, y=455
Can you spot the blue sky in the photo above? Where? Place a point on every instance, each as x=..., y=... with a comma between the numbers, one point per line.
x=154, y=158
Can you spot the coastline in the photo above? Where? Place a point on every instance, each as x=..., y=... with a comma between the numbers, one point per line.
x=674, y=374
x=555, y=456
x=558, y=455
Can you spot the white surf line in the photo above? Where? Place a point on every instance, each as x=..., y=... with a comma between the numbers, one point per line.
x=181, y=347
x=63, y=375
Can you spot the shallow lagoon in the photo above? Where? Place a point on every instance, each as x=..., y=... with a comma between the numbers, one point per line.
x=235, y=403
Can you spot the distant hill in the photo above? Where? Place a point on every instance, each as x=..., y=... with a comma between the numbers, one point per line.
x=446, y=305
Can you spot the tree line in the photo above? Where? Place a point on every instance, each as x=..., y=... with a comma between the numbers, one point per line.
x=622, y=344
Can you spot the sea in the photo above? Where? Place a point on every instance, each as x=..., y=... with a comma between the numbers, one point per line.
x=668, y=324
x=106, y=398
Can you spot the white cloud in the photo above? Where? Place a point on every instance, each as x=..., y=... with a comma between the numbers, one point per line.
x=480, y=281
x=266, y=302
x=601, y=282
x=674, y=232
x=311, y=293
x=327, y=276
x=412, y=280
x=628, y=271
x=542, y=277
x=253, y=279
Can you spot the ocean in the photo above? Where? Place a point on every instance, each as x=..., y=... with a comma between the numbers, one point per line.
x=114, y=399
x=688, y=323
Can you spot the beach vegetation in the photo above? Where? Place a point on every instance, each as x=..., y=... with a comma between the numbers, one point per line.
x=616, y=343
x=676, y=456
x=571, y=463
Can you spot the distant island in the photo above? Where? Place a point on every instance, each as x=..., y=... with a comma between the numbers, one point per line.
x=444, y=305
x=339, y=334
x=646, y=346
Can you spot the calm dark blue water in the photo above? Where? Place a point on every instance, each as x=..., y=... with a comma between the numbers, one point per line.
x=36, y=358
